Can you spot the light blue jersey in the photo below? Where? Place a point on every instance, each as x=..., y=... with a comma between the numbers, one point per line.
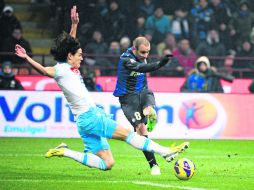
x=94, y=125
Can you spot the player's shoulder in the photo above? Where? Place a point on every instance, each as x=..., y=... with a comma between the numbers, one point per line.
x=126, y=55
x=61, y=69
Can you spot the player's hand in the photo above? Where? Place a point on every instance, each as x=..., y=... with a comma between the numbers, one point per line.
x=74, y=15
x=20, y=51
x=164, y=60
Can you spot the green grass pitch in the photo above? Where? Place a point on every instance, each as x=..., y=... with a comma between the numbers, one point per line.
x=221, y=164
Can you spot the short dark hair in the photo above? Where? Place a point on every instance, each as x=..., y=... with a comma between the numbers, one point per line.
x=64, y=44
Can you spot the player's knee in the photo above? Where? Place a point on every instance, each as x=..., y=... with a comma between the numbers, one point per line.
x=109, y=163
x=147, y=110
x=121, y=133
x=141, y=129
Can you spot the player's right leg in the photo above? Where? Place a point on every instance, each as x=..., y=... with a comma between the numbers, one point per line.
x=132, y=106
x=99, y=124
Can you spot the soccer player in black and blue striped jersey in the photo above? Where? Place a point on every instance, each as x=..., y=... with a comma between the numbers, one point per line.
x=137, y=101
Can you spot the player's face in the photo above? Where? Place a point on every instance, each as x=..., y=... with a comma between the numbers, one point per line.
x=142, y=52
x=75, y=60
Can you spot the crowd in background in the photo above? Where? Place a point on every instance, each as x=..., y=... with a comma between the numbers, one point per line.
x=219, y=29
x=222, y=30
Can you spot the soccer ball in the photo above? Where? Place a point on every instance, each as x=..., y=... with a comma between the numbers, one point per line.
x=184, y=169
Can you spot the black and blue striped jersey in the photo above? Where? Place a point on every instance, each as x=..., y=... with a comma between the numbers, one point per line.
x=131, y=73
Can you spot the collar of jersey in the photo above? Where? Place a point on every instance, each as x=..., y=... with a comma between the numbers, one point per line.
x=130, y=51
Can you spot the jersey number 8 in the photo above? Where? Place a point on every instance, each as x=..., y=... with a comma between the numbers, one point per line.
x=137, y=116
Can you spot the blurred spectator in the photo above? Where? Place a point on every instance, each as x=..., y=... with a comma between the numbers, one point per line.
x=180, y=25
x=202, y=16
x=100, y=11
x=89, y=79
x=221, y=18
x=251, y=5
x=251, y=87
x=221, y=14
x=97, y=44
x=171, y=5
x=98, y=48
x=7, y=78
x=114, y=23
x=228, y=63
x=8, y=22
x=2, y=4
x=173, y=69
x=212, y=47
x=185, y=55
x=245, y=60
x=114, y=49
x=91, y=85
x=241, y=24
x=59, y=14
x=138, y=29
x=252, y=36
x=146, y=8
x=158, y=25
x=87, y=10
x=9, y=46
x=86, y=33
x=114, y=53
x=124, y=43
x=232, y=5
x=168, y=43
x=153, y=49
x=102, y=8
x=202, y=78
x=39, y=1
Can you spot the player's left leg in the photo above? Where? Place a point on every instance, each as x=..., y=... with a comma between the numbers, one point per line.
x=132, y=108
x=149, y=117
x=97, y=153
x=155, y=169
x=93, y=126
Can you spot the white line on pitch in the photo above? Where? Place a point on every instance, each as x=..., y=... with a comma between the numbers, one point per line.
x=100, y=181
x=166, y=185
x=126, y=156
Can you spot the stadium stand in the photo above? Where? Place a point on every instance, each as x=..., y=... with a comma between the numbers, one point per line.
x=36, y=24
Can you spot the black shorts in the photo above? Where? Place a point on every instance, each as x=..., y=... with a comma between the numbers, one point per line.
x=133, y=105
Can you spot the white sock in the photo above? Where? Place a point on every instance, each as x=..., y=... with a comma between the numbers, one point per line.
x=143, y=143
x=88, y=159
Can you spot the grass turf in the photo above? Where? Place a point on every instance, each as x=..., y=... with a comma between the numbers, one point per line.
x=221, y=164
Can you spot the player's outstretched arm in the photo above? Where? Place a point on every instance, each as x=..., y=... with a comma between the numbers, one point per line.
x=133, y=65
x=21, y=52
x=74, y=21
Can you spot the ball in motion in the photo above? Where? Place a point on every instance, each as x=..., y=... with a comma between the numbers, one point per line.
x=184, y=169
